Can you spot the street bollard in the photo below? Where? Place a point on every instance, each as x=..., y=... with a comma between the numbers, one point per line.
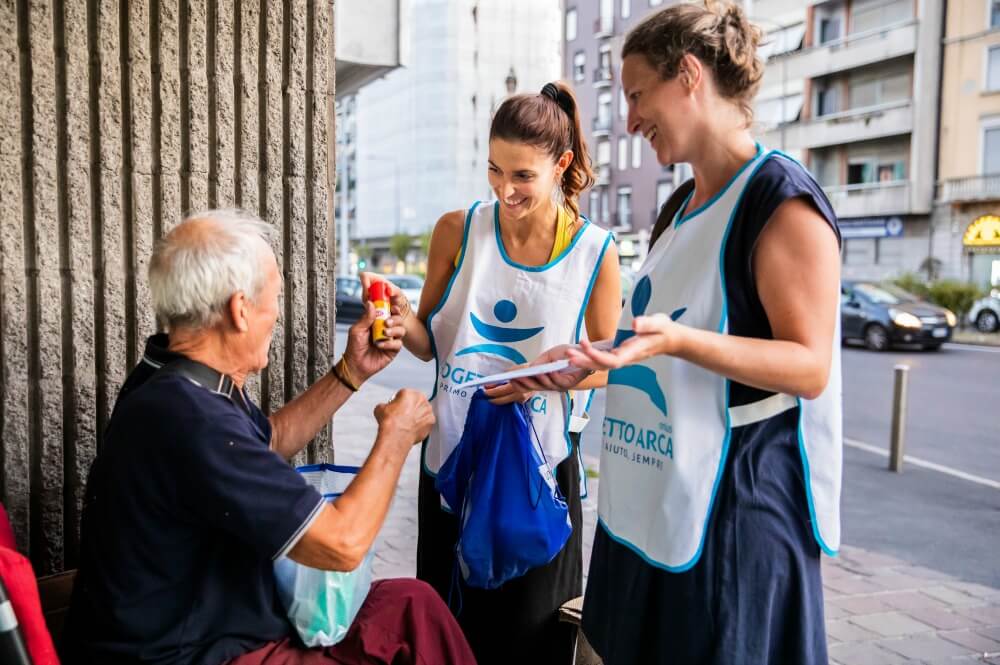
x=896, y=437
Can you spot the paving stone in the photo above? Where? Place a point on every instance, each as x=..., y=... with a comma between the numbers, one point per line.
x=988, y=615
x=950, y=596
x=863, y=653
x=977, y=590
x=910, y=600
x=925, y=647
x=843, y=630
x=989, y=631
x=891, y=624
x=861, y=604
x=924, y=573
x=852, y=585
x=942, y=619
x=897, y=581
x=832, y=612
x=973, y=641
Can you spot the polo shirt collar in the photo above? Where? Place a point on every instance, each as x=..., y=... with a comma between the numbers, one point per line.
x=157, y=353
x=159, y=356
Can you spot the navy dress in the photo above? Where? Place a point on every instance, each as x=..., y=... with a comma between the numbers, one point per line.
x=756, y=595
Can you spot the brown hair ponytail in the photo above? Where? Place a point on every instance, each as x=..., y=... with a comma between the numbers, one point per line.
x=549, y=120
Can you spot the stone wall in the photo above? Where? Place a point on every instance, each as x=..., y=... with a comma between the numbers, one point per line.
x=118, y=117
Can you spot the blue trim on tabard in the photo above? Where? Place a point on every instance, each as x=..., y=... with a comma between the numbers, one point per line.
x=829, y=551
x=685, y=216
x=590, y=399
x=728, y=436
x=514, y=264
x=590, y=286
x=501, y=334
x=444, y=299
x=308, y=468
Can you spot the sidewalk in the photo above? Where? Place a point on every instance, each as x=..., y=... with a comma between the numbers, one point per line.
x=879, y=610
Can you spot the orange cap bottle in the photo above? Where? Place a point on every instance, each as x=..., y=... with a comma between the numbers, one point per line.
x=378, y=294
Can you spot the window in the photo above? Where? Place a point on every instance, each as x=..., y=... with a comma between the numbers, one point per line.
x=579, y=66
x=622, y=153
x=663, y=191
x=624, y=207
x=595, y=203
x=606, y=14
x=773, y=112
x=993, y=68
x=991, y=146
x=872, y=92
x=604, y=109
x=604, y=57
x=654, y=3
x=994, y=13
x=603, y=152
x=867, y=15
x=783, y=40
x=824, y=166
x=622, y=104
x=829, y=29
x=605, y=206
x=636, y=151
x=827, y=101
x=571, y=24
x=863, y=171
x=626, y=8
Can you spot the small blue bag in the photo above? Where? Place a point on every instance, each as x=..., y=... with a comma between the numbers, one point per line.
x=512, y=516
x=322, y=604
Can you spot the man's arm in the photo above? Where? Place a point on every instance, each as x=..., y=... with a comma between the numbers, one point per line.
x=344, y=531
x=296, y=423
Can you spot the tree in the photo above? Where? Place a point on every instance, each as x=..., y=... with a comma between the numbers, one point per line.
x=399, y=245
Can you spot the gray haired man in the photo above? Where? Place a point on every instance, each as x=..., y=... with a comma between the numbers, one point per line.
x=191, y=497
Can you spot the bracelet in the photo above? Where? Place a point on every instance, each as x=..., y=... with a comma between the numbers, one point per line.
x=342, y=374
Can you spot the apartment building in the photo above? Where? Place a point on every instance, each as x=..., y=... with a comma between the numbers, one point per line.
x=967, y=219
x=631, y=185
x=851, y=89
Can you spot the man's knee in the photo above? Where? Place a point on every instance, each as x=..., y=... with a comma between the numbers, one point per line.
x=416, y=593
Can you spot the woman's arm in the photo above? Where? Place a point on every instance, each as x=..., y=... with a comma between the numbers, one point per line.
x=796, y=266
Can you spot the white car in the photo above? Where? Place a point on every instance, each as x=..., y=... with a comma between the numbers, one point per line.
x=985, y=313
x=410, y=285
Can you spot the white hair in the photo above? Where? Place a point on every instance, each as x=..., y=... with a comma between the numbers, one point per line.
x=194, y=271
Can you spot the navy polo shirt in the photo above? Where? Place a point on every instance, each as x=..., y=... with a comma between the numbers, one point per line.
x=186, y=508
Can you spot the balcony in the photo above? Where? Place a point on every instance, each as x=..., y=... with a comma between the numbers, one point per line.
x=604, y=27
x=864, y=124
x=603, y=175
x=622, y=220
x=371, y=39
x=972, y=188
x=871, y=199
x=850, y=52
x=602, y=77
x=601, y=126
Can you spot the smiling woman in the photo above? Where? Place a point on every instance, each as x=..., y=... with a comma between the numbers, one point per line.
x=506, y=280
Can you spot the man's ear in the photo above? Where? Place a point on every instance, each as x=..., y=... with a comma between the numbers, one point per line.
x=238, y=311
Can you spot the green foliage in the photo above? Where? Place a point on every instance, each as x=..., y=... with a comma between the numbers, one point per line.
x=400, y=244
x=956, y=296
x=912, y=283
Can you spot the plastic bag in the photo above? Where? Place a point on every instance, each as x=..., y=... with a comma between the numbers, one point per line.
x=322, y=604
x=512, y=517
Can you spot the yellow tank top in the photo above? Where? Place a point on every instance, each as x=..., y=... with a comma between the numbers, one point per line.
x=564, y=236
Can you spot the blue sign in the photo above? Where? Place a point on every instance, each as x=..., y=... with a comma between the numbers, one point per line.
x=871, y=227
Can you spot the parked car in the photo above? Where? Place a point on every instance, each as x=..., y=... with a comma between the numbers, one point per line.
x=410, y=285
x=985, y=313
x=881, y=315
x=347, y=295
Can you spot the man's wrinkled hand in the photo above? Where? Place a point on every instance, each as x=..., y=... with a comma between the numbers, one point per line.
x=406, y=419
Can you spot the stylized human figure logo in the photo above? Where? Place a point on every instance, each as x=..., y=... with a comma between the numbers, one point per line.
x=638, y=376
x=505, y=311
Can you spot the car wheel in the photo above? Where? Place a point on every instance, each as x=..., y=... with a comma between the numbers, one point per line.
x=932, y=347
x=876, y=338
x=987, y=321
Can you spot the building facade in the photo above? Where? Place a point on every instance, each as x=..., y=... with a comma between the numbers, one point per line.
x=421, y=134
x=851, y=89
x=631, y=185
x=967, y=217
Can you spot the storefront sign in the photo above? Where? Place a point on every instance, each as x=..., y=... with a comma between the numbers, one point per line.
x=983, y=232
x=871, y=227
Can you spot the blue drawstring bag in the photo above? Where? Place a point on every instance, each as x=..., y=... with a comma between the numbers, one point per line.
x=512, y=517
x=322, y=604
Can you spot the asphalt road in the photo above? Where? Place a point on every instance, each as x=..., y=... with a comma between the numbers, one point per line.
x=926, y=517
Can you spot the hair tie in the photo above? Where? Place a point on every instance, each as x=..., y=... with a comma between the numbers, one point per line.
x=552, y=91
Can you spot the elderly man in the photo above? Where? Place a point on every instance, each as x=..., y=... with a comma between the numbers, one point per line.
x=191, y=497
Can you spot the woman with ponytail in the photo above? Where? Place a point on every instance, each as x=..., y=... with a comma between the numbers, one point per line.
x=721, y=458
x=506, y=280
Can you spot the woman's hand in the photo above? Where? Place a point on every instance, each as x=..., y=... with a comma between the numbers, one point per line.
x=654, y=335
x=365, y=358
x=558, y=381
x=507, y=393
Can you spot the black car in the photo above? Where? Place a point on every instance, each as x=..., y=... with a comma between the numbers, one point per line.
x=350, y=307
x=881, y=315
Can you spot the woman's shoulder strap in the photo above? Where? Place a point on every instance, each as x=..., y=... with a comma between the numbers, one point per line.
x=669, y=210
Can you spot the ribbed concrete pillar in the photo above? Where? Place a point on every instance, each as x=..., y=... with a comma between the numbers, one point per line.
x=118, y=117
